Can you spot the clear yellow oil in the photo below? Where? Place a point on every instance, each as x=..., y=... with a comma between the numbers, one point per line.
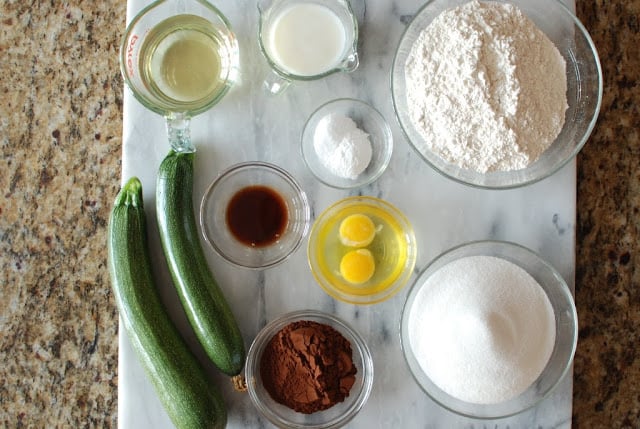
x=183, y=60
x=389, y=249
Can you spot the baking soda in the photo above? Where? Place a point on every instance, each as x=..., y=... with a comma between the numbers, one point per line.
x=482, y=329
x=343, y=148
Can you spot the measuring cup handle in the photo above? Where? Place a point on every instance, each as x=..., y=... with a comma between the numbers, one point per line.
x=351, y=62
x=274, y=83
x=179, y=132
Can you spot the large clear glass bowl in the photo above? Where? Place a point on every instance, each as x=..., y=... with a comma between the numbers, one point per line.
x=566, y=324
x=584, y=92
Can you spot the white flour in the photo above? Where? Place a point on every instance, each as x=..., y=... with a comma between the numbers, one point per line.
x=342, y=147
x=482, y=329
x=486, y=88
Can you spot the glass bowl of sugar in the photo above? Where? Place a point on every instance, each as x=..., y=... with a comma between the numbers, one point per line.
x=346, y=144
x=496, y=95
x=489, y=329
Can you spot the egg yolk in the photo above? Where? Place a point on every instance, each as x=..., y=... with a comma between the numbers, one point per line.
x=357, y=230
x=357, y=266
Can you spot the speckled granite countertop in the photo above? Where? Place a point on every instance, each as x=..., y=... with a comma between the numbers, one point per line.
x=60, y=137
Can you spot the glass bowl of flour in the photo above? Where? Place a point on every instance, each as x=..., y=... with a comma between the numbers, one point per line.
x=496, y=94
x=347, y=144
x=489, y=329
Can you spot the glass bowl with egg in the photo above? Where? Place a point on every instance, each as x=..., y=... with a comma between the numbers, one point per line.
x=489, y=329
x=346, y=143
x=281, y=415
x=254, y=215
x=464, y=147
x=362, y=250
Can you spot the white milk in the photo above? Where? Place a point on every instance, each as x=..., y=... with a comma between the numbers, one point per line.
x=306, y=39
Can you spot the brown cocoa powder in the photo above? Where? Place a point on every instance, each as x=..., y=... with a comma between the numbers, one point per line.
x=308, y=367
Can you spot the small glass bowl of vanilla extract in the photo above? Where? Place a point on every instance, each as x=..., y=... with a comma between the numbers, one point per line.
x=254, y=215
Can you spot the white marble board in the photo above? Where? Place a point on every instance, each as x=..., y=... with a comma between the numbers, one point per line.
x=250, y=125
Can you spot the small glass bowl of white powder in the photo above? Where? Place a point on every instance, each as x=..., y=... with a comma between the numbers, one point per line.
x=496, y=94
x=346, y=143
x=489, y=329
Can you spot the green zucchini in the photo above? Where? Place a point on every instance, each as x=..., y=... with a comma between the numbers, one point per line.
x=202, y=299
x=188, y=396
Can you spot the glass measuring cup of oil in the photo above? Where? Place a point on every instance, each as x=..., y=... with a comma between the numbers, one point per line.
x=179, y=58
x=306, y=39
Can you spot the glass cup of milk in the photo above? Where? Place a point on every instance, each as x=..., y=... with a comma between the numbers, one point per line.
x=179, y=58
x=306, y=39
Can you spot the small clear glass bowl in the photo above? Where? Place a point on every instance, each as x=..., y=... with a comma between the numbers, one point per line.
x=367, y=119
x=338, y=415
x=213, y=211
x=394, y=250
x=584, y=92
x=566, y=325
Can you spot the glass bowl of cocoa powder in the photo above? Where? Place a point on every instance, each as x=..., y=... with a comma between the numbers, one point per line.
x=309, y=369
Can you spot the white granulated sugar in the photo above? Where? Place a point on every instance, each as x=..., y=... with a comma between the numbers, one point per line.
x=342, y=147
x=482, y=329
x=486, y=88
